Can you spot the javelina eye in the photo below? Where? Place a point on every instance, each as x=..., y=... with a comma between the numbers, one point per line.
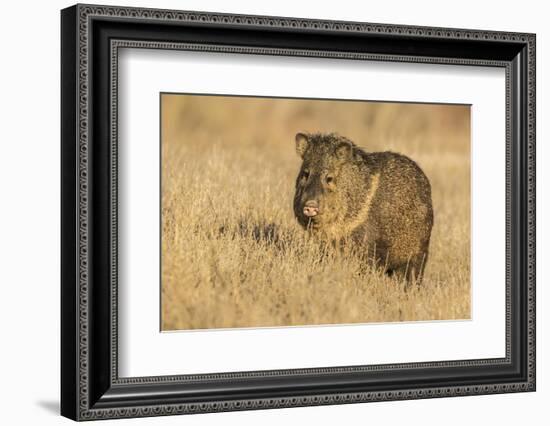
x=305, y=174
x=329, y=179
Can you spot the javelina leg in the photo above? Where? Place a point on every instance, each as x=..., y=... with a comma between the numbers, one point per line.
x=420, y=265
x=412, y=271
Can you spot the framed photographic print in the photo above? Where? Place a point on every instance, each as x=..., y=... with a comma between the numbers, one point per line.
x=263, y=212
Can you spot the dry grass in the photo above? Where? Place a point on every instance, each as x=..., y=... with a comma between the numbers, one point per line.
x=232, y=253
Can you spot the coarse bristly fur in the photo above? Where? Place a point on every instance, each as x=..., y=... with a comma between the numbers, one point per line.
x=379, y=203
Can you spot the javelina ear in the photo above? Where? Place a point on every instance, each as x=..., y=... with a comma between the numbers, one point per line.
x=344, y=151
x=302, y=143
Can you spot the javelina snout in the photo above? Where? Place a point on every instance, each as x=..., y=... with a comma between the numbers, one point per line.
x=311, y=208
x=380, y=202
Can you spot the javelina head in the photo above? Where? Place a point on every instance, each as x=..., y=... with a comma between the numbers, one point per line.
x=323, y=184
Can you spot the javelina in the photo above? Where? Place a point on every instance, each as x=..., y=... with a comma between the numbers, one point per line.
x=380, y=202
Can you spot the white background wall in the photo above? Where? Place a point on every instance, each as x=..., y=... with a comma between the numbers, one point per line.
x=29, y=211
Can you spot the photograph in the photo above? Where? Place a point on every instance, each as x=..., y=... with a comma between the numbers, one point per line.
x=279, y=211
x=266, y=209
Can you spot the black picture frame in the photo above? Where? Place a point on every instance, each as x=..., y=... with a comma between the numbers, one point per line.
x=90, y=386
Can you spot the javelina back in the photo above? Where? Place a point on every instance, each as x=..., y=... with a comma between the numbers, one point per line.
x=380, y=202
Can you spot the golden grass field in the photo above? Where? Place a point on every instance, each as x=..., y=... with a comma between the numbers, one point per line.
x=232, y=252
